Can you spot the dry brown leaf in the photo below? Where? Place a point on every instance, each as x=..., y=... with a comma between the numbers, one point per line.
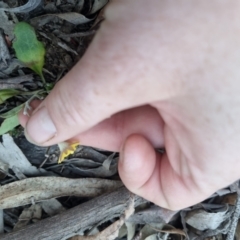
x=28, y=214
x=230, y=199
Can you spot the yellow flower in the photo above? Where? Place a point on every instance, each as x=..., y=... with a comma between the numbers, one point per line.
x=66, y=149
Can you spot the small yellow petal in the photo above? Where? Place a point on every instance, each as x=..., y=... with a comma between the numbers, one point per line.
x=66, y=149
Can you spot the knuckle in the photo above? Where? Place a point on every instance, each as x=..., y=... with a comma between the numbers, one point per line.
x=67, y=111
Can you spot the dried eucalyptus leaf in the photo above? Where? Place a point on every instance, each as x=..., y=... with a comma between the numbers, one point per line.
x=24, y=218
x=79, y=5
x=33, y=212
x=42, y=188
x=13, y=64
x=37, y=213
x=9, y=124
x=97, y=5
x=72, y=17
x=52, y=207
x=66, y=47
x=202, y=220
x=149, y=230
x=122, y=231
x=12, y=155
x=18, y=173
x=6, y=24
x=82, y=163
x=96, y=172
x=108, y=161
x=26, y=8
x=90, y=153
x=131, y=230
x=18, y=79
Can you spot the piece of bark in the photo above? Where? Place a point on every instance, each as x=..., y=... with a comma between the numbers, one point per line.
x=38, y=189
x=112, y=231
x=80, y=218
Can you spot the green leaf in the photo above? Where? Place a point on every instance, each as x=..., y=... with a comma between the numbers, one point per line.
x=7, y=93
x=12, y=112
x=8, y=124
x=28, y=49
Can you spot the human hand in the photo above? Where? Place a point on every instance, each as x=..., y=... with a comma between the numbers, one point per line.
x=157, y=74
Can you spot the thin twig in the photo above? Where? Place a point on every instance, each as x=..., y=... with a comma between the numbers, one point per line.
x=46, y=158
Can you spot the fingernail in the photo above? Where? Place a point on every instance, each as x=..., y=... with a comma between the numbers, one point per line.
x=40, y=127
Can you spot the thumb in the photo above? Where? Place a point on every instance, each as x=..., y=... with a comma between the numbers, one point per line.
x=77, y=103
x=88, y=94
x=105, y=81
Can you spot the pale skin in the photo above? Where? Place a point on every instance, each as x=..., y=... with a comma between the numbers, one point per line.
x=165, y=73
